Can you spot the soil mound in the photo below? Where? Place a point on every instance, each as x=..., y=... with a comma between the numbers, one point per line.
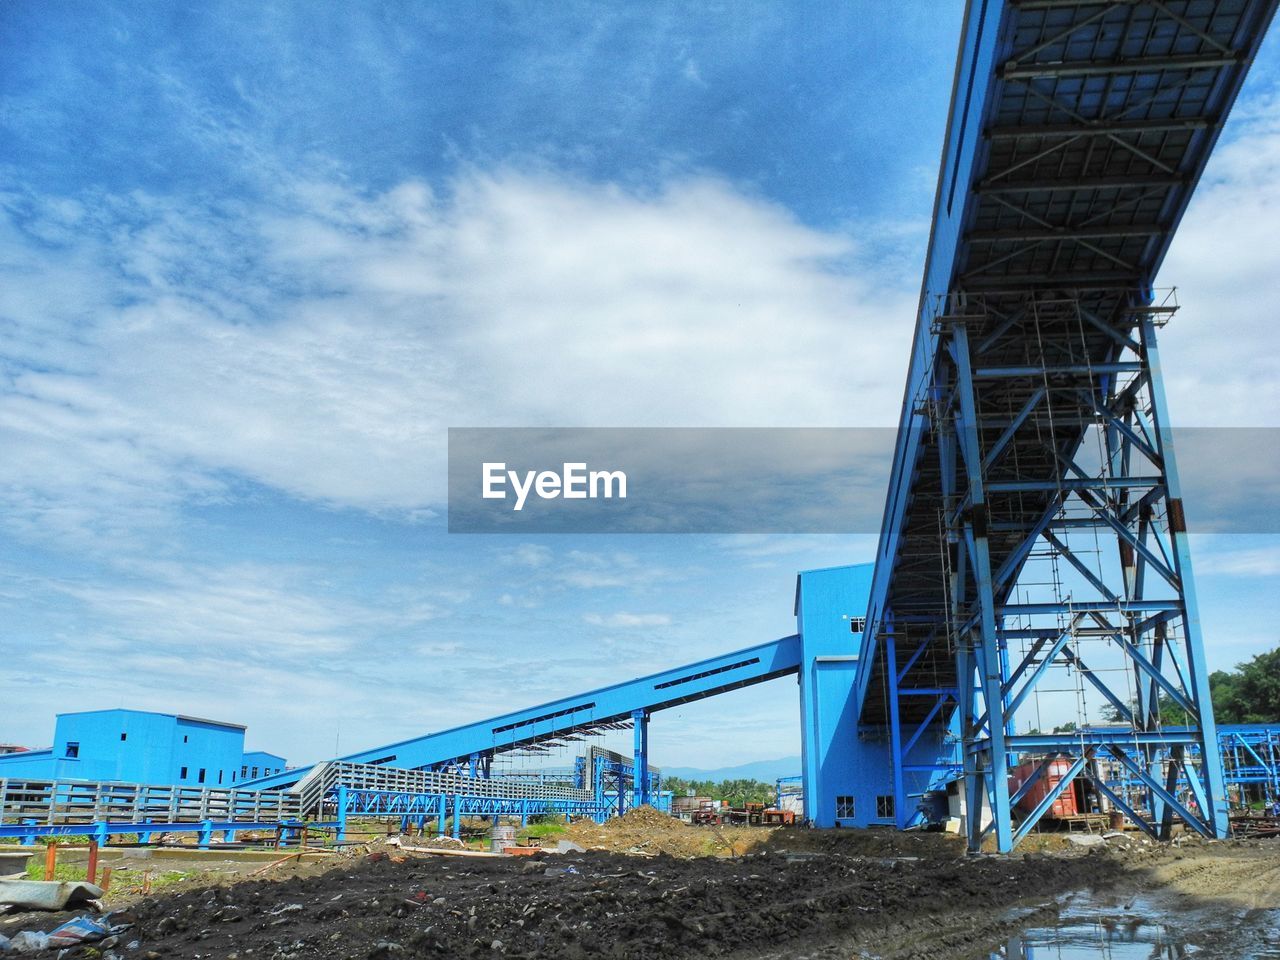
x=645, y=830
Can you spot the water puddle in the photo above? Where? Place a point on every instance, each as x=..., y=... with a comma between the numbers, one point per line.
x=1142, y=929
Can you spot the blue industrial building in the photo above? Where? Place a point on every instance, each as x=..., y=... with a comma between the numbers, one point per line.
x=849, y=780
x=259, y=763
x=137, y=746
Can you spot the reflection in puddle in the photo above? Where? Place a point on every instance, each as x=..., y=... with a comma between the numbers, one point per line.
x=1079, y=938
x=1136, y=931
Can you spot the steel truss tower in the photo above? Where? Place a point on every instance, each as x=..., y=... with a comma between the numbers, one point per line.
x=1094, y=467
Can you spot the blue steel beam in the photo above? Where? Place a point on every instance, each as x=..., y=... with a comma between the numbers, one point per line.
x=583, y=712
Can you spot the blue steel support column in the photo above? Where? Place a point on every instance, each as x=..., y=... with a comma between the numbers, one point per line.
x=972, y=782
x=640, y=772
x=1210, y=752
x=1010, y=725
x=457, y=816
x=895, y=730
x=342, y=812
x=1274, y=766
x=986, y=647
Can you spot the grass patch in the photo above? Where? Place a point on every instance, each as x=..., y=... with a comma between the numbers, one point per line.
x=535, y=830
x=61, y=872
x=124, y=883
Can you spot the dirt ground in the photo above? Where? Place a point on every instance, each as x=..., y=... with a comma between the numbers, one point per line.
x=657, y=889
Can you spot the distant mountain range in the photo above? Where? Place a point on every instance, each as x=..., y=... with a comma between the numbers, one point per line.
x=766, y=770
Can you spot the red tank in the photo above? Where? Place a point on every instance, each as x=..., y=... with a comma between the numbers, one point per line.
x=1064, y=806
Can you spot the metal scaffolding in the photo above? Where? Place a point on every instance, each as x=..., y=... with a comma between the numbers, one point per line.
x=1084, y=458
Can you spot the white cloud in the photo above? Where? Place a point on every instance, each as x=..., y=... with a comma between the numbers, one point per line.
x=627, y=619
x=248, y=611
x=1232, y=561
x=159, y=349
x=529, y=555
x=1219, y=360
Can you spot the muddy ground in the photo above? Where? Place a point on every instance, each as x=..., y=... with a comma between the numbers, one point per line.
x=768, y=894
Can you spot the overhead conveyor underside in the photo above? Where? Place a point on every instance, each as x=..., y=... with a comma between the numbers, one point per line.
x=1077, y=134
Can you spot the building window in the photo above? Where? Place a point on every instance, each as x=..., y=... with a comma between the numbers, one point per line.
x=184, y=738
x=884, y=807
x=182, y=774
x=244, y=772
x=857, y=624
x=200, y=779
x=219, y=776
x=255, y=773
x=73, y=749
x=124, y=737
x=844, y=808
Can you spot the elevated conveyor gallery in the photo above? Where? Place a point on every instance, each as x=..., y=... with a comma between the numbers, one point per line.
x=845, y=776
x=608, y=708
x=1077, y=134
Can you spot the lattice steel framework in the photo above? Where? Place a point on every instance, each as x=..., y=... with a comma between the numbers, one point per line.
x=1034, y=537
x=1094, y=463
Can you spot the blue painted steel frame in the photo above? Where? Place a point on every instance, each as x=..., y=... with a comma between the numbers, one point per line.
x=1035, y=50
x=419, y=807
x=777, y=788
x=102, y=830
x=613, y=780
x=606, y=708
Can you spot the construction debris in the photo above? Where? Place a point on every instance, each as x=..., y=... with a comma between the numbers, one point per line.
x=73, y=933
x=646, y=831
x=46, y=894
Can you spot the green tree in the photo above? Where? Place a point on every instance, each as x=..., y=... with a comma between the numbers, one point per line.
x=737, y=792
x=1170, y=713
x=1248, y=694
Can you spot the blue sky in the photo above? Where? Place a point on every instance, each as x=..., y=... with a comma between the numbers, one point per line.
x=257, y=258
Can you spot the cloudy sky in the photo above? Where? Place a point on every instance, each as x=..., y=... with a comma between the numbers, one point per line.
x=257, y=258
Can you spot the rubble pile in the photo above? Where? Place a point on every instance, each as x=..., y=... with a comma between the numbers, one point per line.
x=645, y=830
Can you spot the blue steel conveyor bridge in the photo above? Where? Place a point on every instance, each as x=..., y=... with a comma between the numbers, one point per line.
x=1034, y=427
x=474, y=745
